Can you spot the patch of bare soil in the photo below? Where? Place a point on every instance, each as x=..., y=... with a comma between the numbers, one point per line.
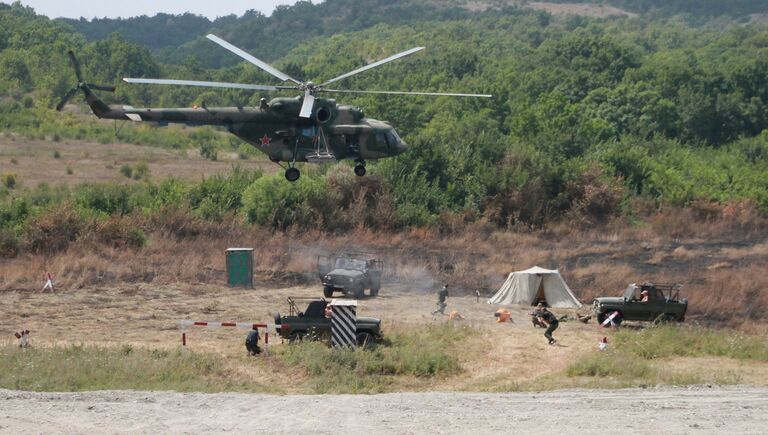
x=78, y=162
x=583, y=9
x=663, y=410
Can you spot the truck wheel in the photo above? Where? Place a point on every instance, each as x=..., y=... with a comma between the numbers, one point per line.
x=296, y=337
x=374, y=291
x=328, y=291
x=617, y=320
x=364, y=340
x=359, y=293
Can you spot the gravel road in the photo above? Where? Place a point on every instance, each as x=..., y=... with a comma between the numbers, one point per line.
x=654, y=410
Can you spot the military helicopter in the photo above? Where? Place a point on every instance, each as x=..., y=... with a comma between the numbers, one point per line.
x=301, y=129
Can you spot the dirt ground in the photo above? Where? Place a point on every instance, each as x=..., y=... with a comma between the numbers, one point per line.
x=33, y=162
x=499, y=357
x=742, y=410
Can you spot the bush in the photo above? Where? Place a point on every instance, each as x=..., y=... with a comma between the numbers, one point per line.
x=54, y=229
x=217, y=195
x=140, y=171
x=273, y=202
x=126, y=170
x=9, y=244
x=208, y=151
x=56, y=154
x=120, y=232
x=9, y=180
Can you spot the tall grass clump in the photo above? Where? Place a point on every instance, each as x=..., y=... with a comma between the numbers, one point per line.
x=670, y=341
x=612, y=363
x=422, y=353
x=631, y=354
x=86, y=367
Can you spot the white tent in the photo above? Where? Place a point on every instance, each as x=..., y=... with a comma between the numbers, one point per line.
x=528, y=287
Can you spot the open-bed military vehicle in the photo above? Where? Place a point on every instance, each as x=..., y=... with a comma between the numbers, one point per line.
x=662, y=304
x=313, y=324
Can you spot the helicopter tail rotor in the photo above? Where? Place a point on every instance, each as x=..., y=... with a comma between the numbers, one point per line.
x=81, y=84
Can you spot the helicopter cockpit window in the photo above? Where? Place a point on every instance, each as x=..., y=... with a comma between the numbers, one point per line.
x=392, y=138
x=381, y=139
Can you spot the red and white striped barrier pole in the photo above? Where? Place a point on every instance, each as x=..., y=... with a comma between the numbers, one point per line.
x=255, y=326
x=48, y=283
x=609, y=319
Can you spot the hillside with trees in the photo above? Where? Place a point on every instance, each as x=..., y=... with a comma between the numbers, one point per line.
x=594, y=122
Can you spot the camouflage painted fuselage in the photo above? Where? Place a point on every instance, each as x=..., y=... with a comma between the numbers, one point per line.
x=276, y=129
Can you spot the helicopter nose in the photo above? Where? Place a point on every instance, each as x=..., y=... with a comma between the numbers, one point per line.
x=402, y=147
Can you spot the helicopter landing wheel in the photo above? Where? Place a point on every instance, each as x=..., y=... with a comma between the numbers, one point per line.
x=359, y=170
x=292, y=174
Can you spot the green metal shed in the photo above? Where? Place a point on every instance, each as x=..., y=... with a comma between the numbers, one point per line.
x=240, y=267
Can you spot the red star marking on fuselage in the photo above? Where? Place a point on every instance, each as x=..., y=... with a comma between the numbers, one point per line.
x=265, y=140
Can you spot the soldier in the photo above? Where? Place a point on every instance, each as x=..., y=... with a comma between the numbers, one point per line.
x=547, y=318
x=442, y=295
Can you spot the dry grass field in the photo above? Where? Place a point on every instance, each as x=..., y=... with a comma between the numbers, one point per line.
x=497, y=356
x=34, y=162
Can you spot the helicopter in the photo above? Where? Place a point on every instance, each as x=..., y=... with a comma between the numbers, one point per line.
x=305, y=128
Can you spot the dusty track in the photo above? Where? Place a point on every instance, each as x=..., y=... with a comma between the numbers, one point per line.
x=668, y=410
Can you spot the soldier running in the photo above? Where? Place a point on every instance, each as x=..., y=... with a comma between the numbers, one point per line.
x=442, y=295
x=549, y=319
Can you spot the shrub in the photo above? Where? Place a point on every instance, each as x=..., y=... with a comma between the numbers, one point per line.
x=126, y=170
x=120, y=232
x=9, y=244
x=56, y=154
x=54, y=229
x=104, y=198
x=9, y=180
x=140, y=171
x=70, y=171
x=273, y=202
x=208, y=151
x=217, y=195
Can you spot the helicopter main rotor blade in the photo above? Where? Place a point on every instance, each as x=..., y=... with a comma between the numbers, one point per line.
x=206, y=84
x=259, y=63
x=76, y=64
x=436, y=94
x=101, y=88
x=374, y=65
x=307, y=104
x=66, y=98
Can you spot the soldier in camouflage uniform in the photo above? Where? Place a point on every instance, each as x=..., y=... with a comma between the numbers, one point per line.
x=442, y=295
x=547, y=318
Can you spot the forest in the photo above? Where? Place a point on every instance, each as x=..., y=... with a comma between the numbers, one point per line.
x=594, y=121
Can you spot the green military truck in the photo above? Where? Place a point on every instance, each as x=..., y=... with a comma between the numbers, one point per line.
x=662, y=304
x=350, y=273
x=312, y=324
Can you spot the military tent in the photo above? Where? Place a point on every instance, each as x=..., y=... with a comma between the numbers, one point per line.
x=529, y=287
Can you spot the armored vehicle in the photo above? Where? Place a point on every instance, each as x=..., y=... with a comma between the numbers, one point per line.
x=313, y=324
x=350, y=273
x=659, y=304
